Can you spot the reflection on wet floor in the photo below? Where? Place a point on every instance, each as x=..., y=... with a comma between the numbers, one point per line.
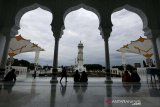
x=39, y=93
x=134, y=87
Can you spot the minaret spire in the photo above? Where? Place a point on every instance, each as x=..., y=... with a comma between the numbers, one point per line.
x=80, y=58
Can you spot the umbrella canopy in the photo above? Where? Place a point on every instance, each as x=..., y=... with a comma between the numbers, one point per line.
x=20, y=45
x=141, y=46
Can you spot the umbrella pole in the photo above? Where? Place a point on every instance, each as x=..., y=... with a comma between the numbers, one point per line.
x=11, y=60
x=36, y=59
x=123, y=60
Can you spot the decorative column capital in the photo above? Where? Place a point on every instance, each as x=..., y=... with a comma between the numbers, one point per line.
x=105, y=31
x=57, y=32
x=57, y=26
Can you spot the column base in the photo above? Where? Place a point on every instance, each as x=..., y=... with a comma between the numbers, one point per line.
x=53, y=81
x=54, y=76
x=108, y=77
x=108, y=81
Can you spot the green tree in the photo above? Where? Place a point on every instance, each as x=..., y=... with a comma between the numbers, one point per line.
x=32, y=66
x=93, y=67
x=119, y=67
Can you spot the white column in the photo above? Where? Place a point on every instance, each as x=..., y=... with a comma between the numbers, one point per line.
x=36, y=59
x=123, y=60
x=10, y=60
x=2, y=44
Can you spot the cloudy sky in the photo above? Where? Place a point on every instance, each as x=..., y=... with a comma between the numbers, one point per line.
x=80, y=25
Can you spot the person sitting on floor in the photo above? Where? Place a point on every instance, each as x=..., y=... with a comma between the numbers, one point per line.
x=84, y=77
x=135, y=77
x=126, y=77
x=10, y=76
x=76, y=76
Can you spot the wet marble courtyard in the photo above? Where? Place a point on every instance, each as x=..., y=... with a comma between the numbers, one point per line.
x=40, y=92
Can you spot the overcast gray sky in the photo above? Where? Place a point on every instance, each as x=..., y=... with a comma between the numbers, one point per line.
x=80, y=25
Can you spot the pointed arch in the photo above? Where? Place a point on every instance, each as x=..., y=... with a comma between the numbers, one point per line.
x=86, y=7
x=21, y=12
x=140, y=13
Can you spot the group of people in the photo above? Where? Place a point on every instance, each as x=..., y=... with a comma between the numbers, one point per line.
x=126, y=77
x=77, y=77
x=134, y=77
x=11, y=76
x=80, y=78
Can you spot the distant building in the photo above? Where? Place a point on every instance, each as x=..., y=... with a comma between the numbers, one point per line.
x=116, y=72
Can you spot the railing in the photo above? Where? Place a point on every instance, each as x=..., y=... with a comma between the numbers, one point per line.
x=143, y=73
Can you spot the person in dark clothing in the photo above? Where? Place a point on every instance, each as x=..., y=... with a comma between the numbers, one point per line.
x=63, y=74
x=10, y=76
x=84, y=77
x=126, y=77
x=135, y=77
x=76, y=76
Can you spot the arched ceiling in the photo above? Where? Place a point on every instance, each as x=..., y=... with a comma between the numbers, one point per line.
x=10, y=8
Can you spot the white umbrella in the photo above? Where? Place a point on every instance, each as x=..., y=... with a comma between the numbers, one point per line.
x=20, y=45
x=17, y=44
x=144, y=46
x=141, y=46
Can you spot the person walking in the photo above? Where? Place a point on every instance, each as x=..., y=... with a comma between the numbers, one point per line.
x=63, y=74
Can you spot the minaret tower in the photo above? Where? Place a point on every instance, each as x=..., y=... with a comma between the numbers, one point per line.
x=80, y=57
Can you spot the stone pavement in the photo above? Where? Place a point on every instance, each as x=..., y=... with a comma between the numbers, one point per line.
x=40, y=93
